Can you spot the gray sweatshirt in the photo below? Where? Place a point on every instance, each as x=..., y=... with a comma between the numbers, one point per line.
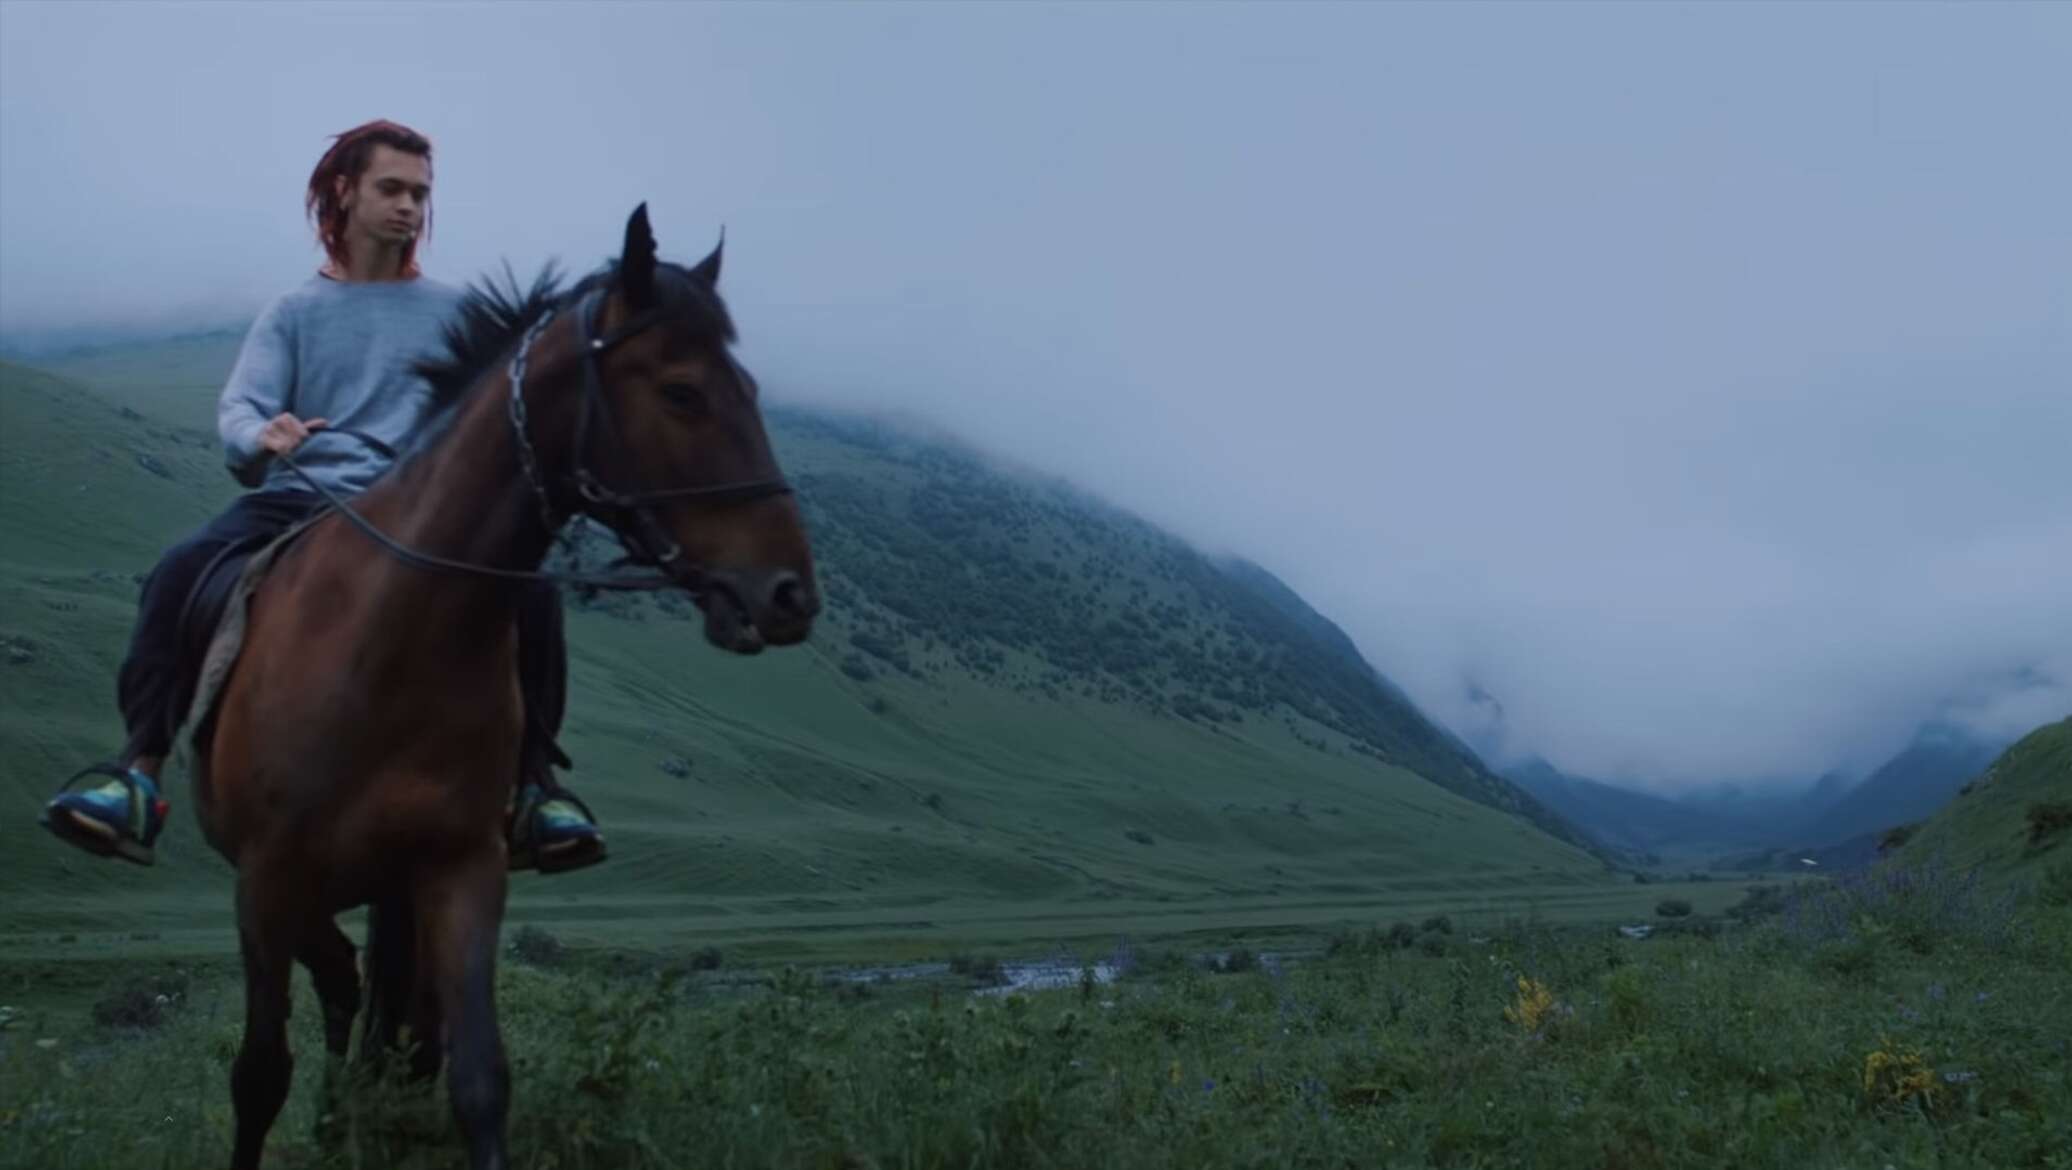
x=341, y=352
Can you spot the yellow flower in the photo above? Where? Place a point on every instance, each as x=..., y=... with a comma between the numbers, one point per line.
x=1533, y=1007
x=1173, y=1074
x=1895, y=1074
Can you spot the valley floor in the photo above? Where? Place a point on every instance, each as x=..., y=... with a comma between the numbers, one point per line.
x=1845, y=1030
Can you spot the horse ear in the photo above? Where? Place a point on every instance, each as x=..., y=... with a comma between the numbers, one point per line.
x=708, y=268
x=637, y=261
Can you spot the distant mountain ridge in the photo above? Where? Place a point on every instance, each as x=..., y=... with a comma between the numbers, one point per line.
x=1629, y=821
x=1831, y=820
x=1911, y=785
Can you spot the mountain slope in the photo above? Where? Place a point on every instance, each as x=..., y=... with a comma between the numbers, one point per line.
x=1987, y=824
x=1025, y=712
x=1633, y=821
x=1909, y=786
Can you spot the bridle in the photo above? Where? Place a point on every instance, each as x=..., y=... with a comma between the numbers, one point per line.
x=629, y=514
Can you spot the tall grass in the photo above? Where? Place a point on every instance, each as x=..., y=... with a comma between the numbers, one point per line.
x=1532, y=1045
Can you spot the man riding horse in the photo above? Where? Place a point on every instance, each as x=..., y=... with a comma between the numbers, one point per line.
x=341, y=350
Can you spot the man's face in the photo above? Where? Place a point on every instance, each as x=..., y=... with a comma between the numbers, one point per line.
x=388, y=203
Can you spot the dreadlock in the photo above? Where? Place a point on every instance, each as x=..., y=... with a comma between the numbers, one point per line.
x=348, y=158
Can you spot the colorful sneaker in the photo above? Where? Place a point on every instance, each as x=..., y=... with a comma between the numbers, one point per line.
x=552, y=830
x=122, y=817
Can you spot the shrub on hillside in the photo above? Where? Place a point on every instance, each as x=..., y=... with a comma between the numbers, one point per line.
x=1238, y=961
x=1673, y=908
x=1895, y=837
x=705, y=959
x=1759, y=902
x=1402, y=936
x=140, y=1002
x=537, y=947
x=1438, y=924
x=2047, y=819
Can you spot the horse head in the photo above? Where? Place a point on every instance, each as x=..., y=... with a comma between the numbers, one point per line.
x=672, y=453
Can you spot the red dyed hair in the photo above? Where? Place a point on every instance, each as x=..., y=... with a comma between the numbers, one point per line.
x=347, y=159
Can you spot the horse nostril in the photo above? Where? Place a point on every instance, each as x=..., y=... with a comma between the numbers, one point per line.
x=790, y=596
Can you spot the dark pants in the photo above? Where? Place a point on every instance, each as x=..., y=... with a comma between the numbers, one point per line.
x=158, y=675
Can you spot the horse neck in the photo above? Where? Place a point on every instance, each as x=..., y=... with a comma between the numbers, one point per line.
x=467, y=498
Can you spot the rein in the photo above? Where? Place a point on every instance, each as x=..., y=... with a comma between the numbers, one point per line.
x=647, y=542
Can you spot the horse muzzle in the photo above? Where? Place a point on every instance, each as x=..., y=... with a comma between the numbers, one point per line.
x=749, y=609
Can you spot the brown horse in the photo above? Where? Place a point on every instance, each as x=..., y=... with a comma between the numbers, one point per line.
x=366, y=744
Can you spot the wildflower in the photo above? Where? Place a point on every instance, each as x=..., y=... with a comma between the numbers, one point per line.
x=1533, y=1007
x=1895, y=1074
x=1173, y=1074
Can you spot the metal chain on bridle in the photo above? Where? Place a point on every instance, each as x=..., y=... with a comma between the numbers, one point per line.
x=628, y=514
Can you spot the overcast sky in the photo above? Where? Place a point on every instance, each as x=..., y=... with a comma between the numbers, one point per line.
x=1695, y=380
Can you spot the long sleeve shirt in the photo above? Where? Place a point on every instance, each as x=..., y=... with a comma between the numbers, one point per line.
x=342, y=352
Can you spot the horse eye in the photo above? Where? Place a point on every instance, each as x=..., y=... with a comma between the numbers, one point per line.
x=683, y=394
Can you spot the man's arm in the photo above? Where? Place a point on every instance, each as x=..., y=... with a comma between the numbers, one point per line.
x=253, y=416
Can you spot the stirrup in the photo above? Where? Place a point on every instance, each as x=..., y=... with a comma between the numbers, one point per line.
x=97, y=837
x=578, y=853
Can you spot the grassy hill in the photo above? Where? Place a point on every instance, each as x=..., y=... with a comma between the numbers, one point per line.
x=1026, y=714
x=1988, y=824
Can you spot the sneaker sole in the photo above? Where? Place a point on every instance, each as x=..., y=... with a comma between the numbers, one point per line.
x=565, y=856
x=95, y=838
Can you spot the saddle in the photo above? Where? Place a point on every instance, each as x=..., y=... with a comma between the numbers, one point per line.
x=212, y=632
x=212, y=624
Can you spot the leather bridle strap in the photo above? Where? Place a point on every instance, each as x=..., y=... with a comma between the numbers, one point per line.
x=631, y=514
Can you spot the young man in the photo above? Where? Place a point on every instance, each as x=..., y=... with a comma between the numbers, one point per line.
x=340, y=350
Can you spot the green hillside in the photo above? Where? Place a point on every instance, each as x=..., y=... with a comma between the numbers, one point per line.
x=1025, y=714
x=1987, y=825
x=1911, y=785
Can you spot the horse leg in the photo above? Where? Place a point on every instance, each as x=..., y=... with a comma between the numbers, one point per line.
x=458, y=937
x=259, y=1076
x=391, y=975
x=329, y=955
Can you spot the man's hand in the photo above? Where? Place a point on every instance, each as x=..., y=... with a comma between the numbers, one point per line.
x=284, y=432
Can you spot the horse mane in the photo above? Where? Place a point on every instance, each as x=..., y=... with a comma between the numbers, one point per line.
x=490, y=320
x=493, y=315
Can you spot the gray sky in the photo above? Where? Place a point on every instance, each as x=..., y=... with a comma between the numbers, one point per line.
x=1697, y=380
